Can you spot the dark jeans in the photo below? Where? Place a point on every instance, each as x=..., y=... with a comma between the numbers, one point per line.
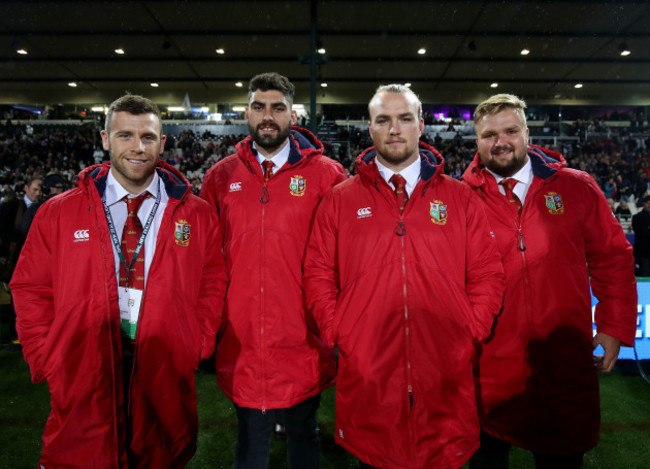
x=493, y=454
x=303, y=442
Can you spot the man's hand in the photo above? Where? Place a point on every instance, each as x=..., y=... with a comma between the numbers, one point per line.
x=611, y=346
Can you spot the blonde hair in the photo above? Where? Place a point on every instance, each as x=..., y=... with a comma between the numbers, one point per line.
x=498, y=103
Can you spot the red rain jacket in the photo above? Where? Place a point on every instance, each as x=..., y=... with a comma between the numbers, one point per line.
x=537, y=385
x=404, y=297
x=68, y=323
x=267, y=356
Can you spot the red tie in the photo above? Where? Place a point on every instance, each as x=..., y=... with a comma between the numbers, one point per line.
x=400, y=191
x=508, y=185
x=268, y=166
x=130, y=237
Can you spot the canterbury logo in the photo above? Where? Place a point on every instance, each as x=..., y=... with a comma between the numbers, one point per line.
x=235, y=186
x=364, y=212
x=81, y=235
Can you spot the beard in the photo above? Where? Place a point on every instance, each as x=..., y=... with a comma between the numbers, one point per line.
x=269, y=142
x=396, y=158
x=507, y=168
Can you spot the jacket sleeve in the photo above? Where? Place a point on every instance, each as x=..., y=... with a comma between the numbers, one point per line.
x=213, y=287
x=485, y=278
x=321, y=277
x=611, y=267
x=33, y=292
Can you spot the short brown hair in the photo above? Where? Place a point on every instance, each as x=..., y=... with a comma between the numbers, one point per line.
x=500, y=102
x=133, y=104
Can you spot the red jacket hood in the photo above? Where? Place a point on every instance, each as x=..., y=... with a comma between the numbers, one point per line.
x=176, y=184
x=545, y=164
x=432, y=163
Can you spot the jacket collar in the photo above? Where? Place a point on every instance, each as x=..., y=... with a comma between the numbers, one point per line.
x=176, y=185
x=302, y=144
x=432, y=163
x=545, y=163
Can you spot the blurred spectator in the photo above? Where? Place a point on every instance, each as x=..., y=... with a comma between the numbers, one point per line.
x=610, y=188
x=53, y=184
x=12, y=211
x=641, y=227
x=623, y=210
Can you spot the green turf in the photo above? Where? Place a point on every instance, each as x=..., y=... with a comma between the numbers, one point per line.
x=624, y=442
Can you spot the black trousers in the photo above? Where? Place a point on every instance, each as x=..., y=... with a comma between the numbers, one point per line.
x=254, y=432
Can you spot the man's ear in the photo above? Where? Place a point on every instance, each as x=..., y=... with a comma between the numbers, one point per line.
x=105, y=140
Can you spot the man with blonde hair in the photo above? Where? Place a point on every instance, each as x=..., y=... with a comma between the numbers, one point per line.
x=536, y=379
x=402, y=273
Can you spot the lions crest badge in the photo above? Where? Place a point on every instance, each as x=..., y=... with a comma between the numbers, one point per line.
x=554, y=203
x=182, y=233
x=438, y=212
x=297, y=186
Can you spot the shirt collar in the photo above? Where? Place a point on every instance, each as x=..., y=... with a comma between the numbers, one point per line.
x=115, y=192
x=411, y=173
x=278, y=160
x=523, y=176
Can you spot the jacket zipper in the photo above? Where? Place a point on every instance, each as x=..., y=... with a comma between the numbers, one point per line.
x=407, y=340
x=264, y=200
x=521, y=245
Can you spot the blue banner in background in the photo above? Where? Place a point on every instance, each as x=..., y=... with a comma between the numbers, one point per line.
x=642, y=341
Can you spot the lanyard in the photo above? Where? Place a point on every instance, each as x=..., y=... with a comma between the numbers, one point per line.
x=145, y=230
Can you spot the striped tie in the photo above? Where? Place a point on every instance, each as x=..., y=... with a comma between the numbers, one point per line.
x=400, y=191
x=268, y=167
x=508, y=185
x=130, y=237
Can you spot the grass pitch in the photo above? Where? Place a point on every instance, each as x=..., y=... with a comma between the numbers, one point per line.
x=624, y=441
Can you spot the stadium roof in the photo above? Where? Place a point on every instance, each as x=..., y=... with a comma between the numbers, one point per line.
x=467, y=46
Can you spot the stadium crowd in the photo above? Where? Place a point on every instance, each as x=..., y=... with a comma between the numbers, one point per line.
x=619, y=162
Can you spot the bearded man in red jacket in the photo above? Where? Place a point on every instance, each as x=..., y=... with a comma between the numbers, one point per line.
x=268, y=356
x=118, y=294
x=537, y=384
x=403, y=274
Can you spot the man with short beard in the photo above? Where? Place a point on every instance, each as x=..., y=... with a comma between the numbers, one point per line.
x=118, y=294
x=269, y=357
x=402, y=273
x=536, y=377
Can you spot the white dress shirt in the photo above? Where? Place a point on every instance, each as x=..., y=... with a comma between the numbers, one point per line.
x=113, y=199
x=278, y=160
x=411, y=174
x=524, y=178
